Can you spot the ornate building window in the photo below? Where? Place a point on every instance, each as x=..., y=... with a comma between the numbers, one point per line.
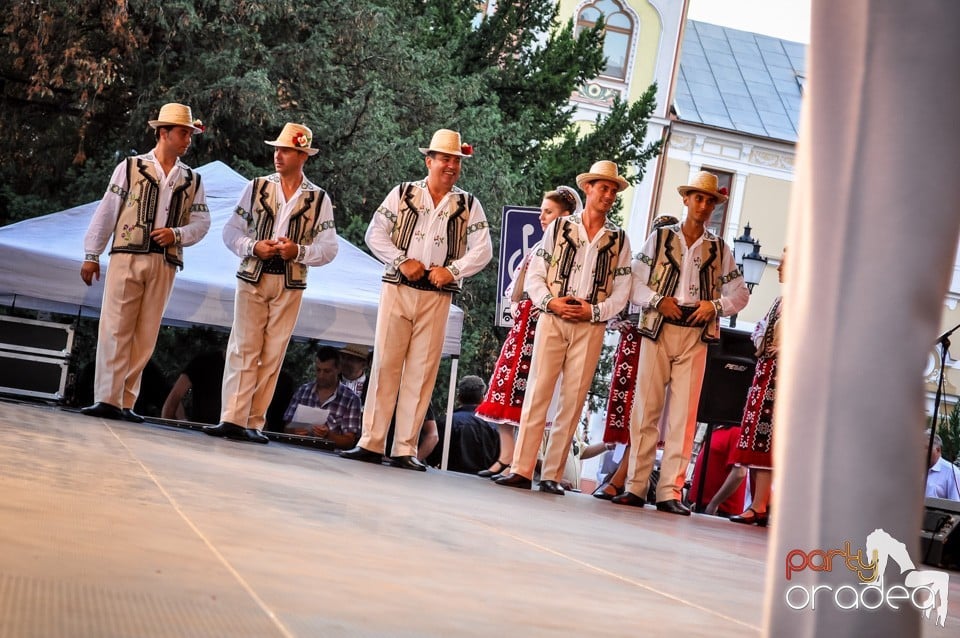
x=618, y=34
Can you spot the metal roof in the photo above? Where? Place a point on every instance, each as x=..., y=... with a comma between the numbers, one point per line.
x=740, y=81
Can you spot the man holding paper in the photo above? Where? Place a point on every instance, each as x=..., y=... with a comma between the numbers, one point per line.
x=325, y=408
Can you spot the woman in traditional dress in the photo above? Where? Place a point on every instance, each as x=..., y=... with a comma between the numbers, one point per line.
x=755, y=448
x=509, y=380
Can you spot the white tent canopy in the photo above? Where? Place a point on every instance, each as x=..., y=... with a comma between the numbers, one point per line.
x=40, y=269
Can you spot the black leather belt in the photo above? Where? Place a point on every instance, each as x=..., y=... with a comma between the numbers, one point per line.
x=421, y=284
x=274, y=266
x=685, y=312
x=156, y=248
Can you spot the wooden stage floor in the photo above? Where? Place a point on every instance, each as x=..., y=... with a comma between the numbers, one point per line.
x=115, y=529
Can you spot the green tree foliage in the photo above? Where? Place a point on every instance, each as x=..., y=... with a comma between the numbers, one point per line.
x=619, y=136
x=372, y=78
x=62, y=64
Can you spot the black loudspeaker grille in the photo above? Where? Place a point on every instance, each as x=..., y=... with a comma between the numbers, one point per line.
x=727, y=379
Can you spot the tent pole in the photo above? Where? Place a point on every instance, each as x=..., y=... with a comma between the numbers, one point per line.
x=448, y=421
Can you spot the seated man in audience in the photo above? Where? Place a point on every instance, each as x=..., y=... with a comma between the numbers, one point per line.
x=354, y=360
x=325, y=408
x=474, y=443
x=943, y=477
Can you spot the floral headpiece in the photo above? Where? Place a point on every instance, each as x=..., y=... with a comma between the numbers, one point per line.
x=570, y=196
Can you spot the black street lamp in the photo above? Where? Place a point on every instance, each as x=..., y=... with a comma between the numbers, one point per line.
x=746, y=252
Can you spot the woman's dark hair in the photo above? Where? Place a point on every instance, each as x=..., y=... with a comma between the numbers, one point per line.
x=563, y=198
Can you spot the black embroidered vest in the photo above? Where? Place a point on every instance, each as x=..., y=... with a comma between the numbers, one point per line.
x=303, y=228
x=138, y=210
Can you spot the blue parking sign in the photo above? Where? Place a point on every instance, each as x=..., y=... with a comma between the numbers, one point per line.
x=519, y=231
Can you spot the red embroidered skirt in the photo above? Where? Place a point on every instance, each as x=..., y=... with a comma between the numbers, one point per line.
x=755, y=447
x=508, y=384
x=623, y=386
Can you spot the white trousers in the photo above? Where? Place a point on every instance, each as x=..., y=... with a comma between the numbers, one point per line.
x=135, y=294
x=872, y=235
x=264, y=315
x=411, y=325
x=566, y=348
x=677, y=358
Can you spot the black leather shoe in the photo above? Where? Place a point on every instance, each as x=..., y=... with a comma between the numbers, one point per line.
x=673, y=506
x=628, y=498
x=129, y=415
x=247, y=435
x=490, y=473
x=102, y=410
x=408, y=463
x=514, y=480
x=224, y=429
x=551, y=487
x=360, y=454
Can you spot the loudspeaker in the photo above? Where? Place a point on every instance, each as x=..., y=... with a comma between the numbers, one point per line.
x=939, y=538
x=727, y=378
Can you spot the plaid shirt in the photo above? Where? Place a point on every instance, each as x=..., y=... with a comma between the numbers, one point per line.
x=344, y=407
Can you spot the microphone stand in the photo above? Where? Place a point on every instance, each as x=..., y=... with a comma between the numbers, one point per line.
x=944, y=342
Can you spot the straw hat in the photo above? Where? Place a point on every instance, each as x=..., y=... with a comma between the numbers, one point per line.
x=295, y=136
x=665, y=220
x=174, y=114
x=355, y=350
x=447, y=141
x=604, y=169
x=705, y=182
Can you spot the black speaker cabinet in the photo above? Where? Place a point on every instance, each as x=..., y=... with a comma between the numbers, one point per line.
x=727, y=378
x=939, y=538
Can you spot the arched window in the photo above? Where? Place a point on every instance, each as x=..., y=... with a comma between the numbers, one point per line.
x=617, y=35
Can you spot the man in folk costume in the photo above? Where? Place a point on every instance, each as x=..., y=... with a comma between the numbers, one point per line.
x=431, y=235
x=155, y=206
x=580, y=279
x=283, y=224
x=684, y=279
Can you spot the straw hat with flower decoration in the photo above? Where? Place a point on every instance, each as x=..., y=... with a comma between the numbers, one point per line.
x=295, y=136
x=447, y=141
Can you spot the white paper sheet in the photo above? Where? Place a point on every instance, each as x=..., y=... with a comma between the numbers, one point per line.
x=310, y=416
